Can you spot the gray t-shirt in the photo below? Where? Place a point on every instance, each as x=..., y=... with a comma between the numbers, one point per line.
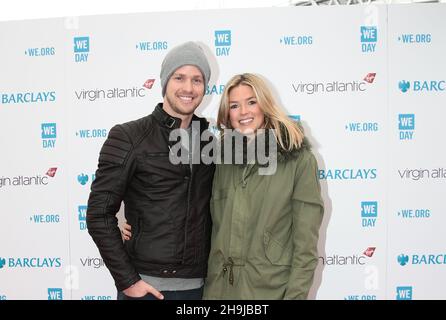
x=173, y=284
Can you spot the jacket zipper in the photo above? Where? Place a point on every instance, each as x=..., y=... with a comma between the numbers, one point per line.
x=159, y=154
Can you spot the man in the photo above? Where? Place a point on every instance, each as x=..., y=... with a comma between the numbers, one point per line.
x=167, y=205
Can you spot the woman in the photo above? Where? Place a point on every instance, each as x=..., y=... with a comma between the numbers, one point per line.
x=265, y=227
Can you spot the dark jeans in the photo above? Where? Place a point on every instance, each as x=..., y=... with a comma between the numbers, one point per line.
x=194, y=294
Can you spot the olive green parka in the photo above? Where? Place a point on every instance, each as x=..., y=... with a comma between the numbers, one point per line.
x=265, y=229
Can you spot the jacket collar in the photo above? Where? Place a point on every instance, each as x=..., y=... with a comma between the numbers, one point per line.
x=169, y=122
x=165, y=119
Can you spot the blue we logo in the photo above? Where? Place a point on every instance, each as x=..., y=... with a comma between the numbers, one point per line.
x=55, y=294
x=82, y=216
x=406, y=121
x=369, y=37
x=404, y=293
x=369, y=213
x=49, y=135
x=81, y=49
x=406, y=125
x=222, y=42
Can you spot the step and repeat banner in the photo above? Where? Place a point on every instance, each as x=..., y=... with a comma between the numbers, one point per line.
x=367, y=82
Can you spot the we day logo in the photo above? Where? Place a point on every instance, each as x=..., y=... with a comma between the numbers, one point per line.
x=55, y=294
x=49, y=135
x=406, y=126
x=222, y=42
x=82, y=216
x=369, y=38
x=81, y=49
x=369, y=213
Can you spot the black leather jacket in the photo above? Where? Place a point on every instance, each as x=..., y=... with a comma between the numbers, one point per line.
x=167, y=205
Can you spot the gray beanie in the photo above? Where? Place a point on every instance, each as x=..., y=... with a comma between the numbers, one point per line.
x=189, y=53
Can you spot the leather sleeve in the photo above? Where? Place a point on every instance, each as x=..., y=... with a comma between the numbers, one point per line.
x=115, y=168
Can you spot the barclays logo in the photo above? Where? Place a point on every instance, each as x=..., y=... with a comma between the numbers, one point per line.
x=31, y=262
x=84, y=178
x=404, y=85
x=28, y=97
x=422, y=85
x=348, y=174
x=215, y=89
x=422, y=259
x=403, y=259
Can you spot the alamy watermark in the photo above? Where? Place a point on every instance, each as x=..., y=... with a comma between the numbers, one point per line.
x=192, y=147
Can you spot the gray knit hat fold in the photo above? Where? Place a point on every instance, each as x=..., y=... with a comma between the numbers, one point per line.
x=189, y=53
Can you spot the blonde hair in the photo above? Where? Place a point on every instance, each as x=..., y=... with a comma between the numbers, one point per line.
x=288, y=134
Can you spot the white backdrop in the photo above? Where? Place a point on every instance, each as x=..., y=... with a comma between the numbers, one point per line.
x=368, y=83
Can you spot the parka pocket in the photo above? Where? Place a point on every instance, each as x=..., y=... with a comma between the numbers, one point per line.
x=275, y=252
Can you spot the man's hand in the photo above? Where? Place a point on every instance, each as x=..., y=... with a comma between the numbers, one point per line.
x=140, y=289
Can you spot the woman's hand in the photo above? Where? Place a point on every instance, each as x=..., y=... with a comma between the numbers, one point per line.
x=126, y=231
